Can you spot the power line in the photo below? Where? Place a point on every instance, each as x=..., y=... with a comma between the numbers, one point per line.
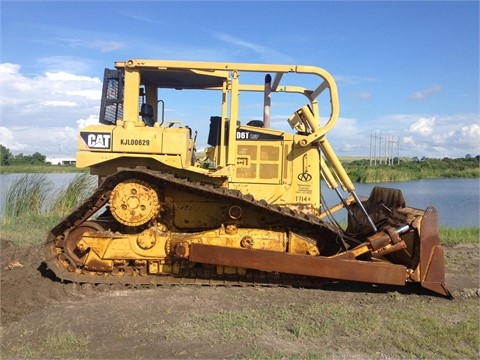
x=385, y=143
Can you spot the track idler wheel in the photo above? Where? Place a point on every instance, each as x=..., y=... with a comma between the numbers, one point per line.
x=75, y=254
x=134, y=203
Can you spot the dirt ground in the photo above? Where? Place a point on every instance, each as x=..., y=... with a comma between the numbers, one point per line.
x=126, y=323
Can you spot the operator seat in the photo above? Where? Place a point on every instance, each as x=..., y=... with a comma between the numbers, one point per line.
x=256, y=123
x=146, y=112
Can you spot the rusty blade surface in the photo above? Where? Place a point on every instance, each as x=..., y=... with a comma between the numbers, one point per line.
x=339, y=269
x=432, y=264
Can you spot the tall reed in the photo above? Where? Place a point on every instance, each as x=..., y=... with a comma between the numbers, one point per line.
x=27, y=196
x=73, y=194
x=33, y=206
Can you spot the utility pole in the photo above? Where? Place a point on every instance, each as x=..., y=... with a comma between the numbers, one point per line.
x=398, y=151
x=388, y=144
x=379, y=149
x=370, y=147
x=386, y=151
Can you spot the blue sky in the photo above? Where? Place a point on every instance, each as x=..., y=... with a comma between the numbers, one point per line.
x=408, y=71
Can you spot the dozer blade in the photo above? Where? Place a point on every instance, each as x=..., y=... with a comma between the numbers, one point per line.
x=429, y=268
x=338, y=269
x=429, y=272
x=432, y=265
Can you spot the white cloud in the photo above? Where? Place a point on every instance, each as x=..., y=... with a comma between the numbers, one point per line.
x=59, y=103
x=43, y=113
x=423, y=126
x=441, y=136
x=7, y=69
x=347, y=138
x=87, y=40
x=51, y=99
x=91, y=120
x=64, y=76
x=7, y=139
x=64, y=63
x=105, y=46
x=408, y=140
x=471, y=132
x=92, y=94
x=434, y=136
x=51, y=141
x=362, y=95
x=426, y=93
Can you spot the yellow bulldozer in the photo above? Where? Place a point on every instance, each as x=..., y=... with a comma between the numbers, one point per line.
x=246, y=210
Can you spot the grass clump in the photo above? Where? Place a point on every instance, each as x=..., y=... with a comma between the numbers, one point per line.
x=28, y=229
x=40, y=169
x=452, y=236
x=361, y=170
x=69, y=197
x=27, y=196
x=425, y=335
x=54, y=346
x=289, y=331
x=67, y=343
x=33, y=207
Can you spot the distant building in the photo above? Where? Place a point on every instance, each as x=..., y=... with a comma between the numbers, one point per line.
x=61, y=161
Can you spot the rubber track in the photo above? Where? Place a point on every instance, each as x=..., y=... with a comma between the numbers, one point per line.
x=100, y=197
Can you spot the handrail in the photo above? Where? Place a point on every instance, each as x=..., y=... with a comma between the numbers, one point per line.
x=222, y=69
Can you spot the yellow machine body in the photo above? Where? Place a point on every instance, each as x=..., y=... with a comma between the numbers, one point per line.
x=251, y=201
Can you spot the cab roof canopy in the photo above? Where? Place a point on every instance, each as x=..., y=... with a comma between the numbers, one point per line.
x=181, y=79
x=178, y=77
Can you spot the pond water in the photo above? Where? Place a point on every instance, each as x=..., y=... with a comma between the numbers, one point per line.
x=457, y=200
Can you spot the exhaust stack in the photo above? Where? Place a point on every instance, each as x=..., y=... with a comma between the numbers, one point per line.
x=266, y=101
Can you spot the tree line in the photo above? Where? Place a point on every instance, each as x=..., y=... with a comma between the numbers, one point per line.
x=7, y=158
x=468, y=160
x=414, y=169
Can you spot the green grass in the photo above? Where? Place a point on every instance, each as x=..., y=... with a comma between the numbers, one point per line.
x=32, y=206
x=28, y=229
x=426, y=336
x=360, y=171
x=424, y=332
x=40, y=168
x=68, y=198
x=65, y=344
x=383, y=174
x=27, y=196
x=452, y=236
x=54, y=346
